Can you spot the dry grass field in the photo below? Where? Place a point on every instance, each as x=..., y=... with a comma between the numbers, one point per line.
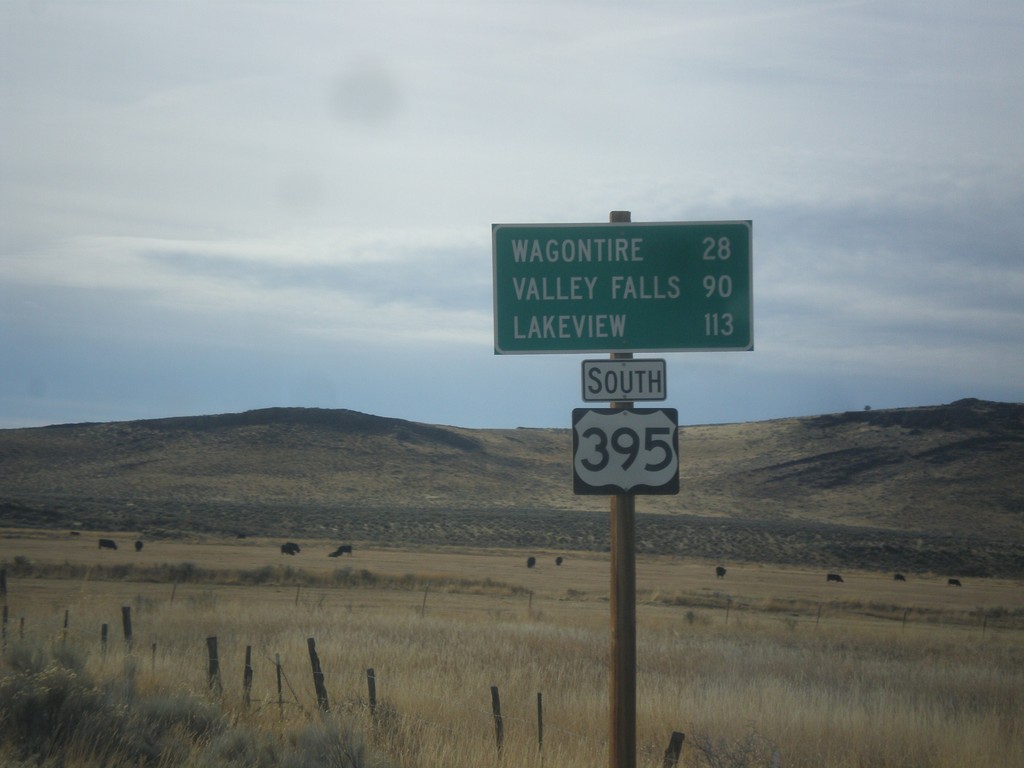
x=769, y=661
x=769, y=666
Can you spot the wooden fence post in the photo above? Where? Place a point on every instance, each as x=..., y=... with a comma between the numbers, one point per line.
x=126, y=624
x=152, y=664
x=104, y=631
x=499, y=726
x=540, y=723
x=247, y=677
x=5, y=628
x=318, y=676
x=371, y=684
x=3, y=582
x=675, y=746
x=280, y=696
x=214, y=669
x=64, y=632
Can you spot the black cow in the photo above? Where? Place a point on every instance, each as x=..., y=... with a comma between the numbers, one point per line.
x=954, y=582
x=899, y=577
x=108, y=544
x=558, y=560
x=344, y=549
x=138, y=545
x=834, y=577
x=720, y=572
x=531, y=561
x=290, y=548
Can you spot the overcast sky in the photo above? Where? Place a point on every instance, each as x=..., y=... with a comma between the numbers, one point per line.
x=215, y=206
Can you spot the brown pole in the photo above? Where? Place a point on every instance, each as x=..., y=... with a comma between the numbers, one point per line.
x=622, y=744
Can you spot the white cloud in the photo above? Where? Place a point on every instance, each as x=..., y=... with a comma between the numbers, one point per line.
x=261, y=177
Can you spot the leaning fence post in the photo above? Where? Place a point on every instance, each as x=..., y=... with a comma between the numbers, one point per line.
x=280, y=697
x=371, y=685
x=247, y=677
x=318, y=676
x=499, y=727
x=126, y=624
x=675, y=746
x=214, y=669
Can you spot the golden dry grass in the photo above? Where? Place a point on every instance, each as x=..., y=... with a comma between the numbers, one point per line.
x=766, y=659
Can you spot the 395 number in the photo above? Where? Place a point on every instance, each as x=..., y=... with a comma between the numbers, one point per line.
x=625, y=444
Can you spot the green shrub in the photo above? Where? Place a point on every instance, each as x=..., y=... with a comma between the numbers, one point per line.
x=50, y=708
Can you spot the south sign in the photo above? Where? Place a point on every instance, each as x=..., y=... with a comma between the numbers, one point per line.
x=624, y=380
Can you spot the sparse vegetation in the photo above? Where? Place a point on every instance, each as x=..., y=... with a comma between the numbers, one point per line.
x=850, y=685
x=767, y=664
x=919, y=489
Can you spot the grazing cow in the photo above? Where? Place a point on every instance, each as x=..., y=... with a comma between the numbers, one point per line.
x=344, y=549
x=290, y=548
x=531, y=561
x=75, y=533
x=834, y=577
x=954, y=582
x=108, y=544
x=558, y=560
x=899, y=577
x=138, y=545
x=720, y=572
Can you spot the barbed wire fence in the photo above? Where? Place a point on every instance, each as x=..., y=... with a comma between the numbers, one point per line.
x=471, y=724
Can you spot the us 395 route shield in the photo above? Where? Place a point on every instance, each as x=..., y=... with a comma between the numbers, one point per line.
x=625, y=451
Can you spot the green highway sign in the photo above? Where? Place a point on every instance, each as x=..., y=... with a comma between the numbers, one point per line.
x=622, y=287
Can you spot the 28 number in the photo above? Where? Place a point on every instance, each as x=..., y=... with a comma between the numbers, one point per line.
x=720, y=249
x=625, y=442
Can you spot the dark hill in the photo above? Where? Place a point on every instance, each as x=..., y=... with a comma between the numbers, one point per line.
x=936, y=487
